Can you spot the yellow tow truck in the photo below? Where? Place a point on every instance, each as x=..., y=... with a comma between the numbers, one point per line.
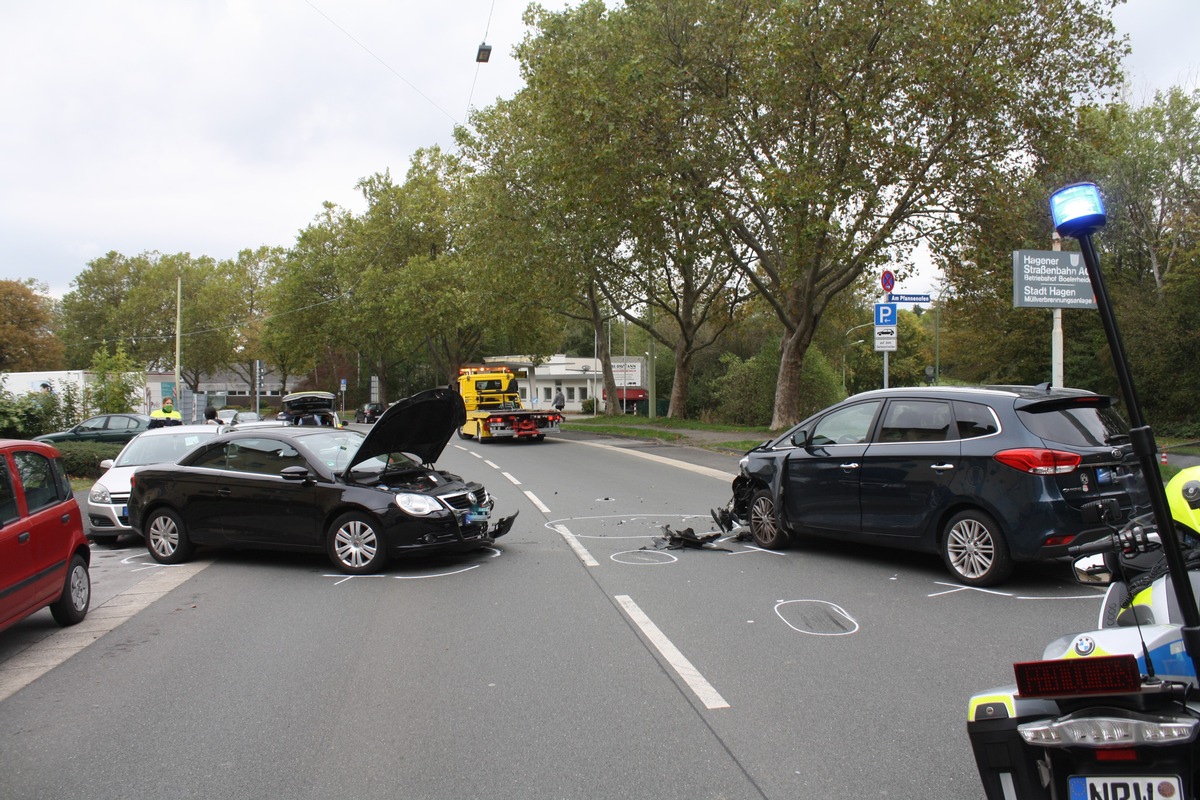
x=494, y=409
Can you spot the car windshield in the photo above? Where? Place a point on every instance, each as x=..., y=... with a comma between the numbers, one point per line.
x=157, y=449
x=335, y=448
x=386, y=462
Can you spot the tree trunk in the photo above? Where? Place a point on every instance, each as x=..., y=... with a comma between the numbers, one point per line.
x=679, y=386
x=787, y=391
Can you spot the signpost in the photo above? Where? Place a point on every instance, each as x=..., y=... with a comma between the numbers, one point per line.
x=886, y=331
x=1056, y=280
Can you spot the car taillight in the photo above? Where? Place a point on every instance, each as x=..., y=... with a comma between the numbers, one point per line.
x=1039, y=461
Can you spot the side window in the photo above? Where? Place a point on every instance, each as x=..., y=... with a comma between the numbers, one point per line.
x=975, y=420
x=213, y=458
x=261, y=456
x=93, y=424
x=849, y=425
x=119, y=423
x=916, y=421
x=8, y=495
x=39, y=479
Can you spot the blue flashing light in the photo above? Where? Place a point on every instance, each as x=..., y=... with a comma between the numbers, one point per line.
x=1077, y=210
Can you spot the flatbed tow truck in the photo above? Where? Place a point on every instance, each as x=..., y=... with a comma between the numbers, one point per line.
x=494, y=409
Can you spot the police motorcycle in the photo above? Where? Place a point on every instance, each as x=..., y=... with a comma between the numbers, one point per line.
x=1113, y=713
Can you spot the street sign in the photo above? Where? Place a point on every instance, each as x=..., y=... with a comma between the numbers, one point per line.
x=910, y=298
x=1050, y=279
x=888, y=280
x=885, y=343
x=885, y=331
x=885, y=314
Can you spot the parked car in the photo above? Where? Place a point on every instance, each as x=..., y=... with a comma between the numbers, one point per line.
x=246, y=416
x=44, y=556
x=309, y=408
x=984, y=476
x=227, y=415
x=108, y=500
x=119, y=428
x=368, y=412
x=359, y=499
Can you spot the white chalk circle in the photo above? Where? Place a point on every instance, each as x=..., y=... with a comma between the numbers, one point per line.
x=816, y=617
x=644, y=558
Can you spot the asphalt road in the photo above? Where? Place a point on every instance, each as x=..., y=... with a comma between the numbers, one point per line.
x=575, y=660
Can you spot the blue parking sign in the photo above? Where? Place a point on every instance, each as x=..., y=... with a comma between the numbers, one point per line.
x=885, y=313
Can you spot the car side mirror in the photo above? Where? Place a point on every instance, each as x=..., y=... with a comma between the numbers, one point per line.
x=106, y=463
x=800, y=439
x=294, y=473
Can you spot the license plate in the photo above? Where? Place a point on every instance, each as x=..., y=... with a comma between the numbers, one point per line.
x=1125, y=787
x=124, y=511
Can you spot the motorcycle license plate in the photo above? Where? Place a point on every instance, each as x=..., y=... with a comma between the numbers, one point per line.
x=1139, y=787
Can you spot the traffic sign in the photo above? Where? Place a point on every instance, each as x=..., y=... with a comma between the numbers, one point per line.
x=910, y=298
x=889, y=330
x=885, y=314
x=885, y=343
x=888, y=280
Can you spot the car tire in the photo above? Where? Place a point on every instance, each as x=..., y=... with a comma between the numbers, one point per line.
x=764, y=526
x=354, y=544
x=462, y=433
x=167, y=539
x=974, y=550
x=72, y=605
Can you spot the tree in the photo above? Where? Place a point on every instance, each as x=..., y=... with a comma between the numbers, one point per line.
x=27, y=341
x=117, y=382
x=830, y=137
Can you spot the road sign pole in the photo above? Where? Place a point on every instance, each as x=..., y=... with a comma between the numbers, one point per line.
x=885, y=367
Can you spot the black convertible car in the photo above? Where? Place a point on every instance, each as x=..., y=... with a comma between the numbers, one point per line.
x=360, y=499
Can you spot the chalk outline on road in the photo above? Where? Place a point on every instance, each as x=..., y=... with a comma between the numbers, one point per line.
x=834, y=606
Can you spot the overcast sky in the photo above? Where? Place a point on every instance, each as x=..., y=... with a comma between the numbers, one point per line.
x=210, y=127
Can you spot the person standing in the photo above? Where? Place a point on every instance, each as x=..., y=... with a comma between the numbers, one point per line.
x=167, y=411
x=210, y=416
x=559, y=401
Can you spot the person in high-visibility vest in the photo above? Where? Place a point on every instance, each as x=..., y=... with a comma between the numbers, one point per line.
x=166, y=412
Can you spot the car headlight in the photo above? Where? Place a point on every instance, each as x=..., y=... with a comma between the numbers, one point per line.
x=99, y=494
x=419, y=505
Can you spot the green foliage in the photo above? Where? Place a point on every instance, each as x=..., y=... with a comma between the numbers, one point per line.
x=746, y=391
x=82, y=459
x=117, y=382
x=32, y=414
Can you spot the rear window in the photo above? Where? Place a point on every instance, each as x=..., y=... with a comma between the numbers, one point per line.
x=1081, y=427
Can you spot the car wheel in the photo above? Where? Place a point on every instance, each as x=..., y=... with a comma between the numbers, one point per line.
x=355, y=545
x=763, y=524
x=72, y=606
x=974, y=549
x=166, y=538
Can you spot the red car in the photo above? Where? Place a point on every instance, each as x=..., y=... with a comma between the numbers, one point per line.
x=44, y=556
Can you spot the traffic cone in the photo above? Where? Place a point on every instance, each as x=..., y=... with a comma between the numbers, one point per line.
x=1163, y=458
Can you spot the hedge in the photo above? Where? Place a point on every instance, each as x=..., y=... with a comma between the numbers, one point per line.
x=82, y=459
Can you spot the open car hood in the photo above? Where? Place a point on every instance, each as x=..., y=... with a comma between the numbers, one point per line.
x=421, y=425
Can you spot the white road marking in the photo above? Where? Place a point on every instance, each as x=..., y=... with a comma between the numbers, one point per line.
x=579, y=549
x=511, y=479
x=540, y=505
x=954, y=588
x=699, y=470
x=46, y=654
x=690, y=675
x=491, y=464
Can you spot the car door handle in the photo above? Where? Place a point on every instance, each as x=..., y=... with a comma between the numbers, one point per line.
x=851, y=465
x=23, y=537
x=941, y=467
x=65, y=519
x=224, y=492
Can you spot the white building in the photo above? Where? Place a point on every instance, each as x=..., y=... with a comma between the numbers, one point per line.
x=577, y=378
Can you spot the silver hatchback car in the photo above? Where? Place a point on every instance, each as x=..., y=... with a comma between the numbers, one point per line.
x=107, y=504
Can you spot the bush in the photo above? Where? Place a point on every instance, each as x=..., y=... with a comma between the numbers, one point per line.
x=747, y=389
x=82, y=459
